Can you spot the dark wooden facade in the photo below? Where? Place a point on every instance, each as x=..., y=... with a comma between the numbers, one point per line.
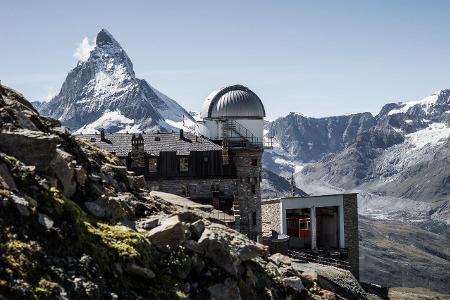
x=201, y=164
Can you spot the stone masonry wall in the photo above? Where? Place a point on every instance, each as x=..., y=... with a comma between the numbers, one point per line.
x=270, y=213
x=351, y=231
x=249, y=190
x=197, y=188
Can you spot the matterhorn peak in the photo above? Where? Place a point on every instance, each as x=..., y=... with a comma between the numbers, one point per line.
x=102, y=91
x=105, y=38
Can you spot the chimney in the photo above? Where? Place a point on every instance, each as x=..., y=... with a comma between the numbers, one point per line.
x=181, y=134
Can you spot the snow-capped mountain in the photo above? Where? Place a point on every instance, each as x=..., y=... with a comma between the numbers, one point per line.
x=402, y=154
x=102, y=91
x=299, y=140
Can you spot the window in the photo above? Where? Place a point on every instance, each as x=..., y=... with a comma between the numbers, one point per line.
x=254, y=162
x=205, y=159
x=153, y=165
x=249, y=179
x=184, y=164
x=253, y=189
x=157, y=138
x=254, y=218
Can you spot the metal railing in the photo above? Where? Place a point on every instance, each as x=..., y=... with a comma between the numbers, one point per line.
x=221, y=216
x=247, y=138
x=315, y=258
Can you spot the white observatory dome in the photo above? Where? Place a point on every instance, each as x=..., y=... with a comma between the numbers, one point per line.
x=234, y=101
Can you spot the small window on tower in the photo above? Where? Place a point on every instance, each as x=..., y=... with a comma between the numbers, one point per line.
x=153, y=165
x=253, y=189
x=184, y=164
x=254, y=162
x=254, y=218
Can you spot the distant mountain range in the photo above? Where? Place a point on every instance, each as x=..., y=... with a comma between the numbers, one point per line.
x=104, y=92
x=403, y=152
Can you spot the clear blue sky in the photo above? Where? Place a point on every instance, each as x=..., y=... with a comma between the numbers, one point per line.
x=317, y=58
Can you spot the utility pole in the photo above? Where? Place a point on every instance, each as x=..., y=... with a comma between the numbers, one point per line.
x=292, y=184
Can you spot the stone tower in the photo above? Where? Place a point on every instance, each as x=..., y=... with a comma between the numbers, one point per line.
x=248, y=196
x=234, y=118
x=137, y=154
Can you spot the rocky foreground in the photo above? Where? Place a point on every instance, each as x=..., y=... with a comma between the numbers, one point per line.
x=74, y=225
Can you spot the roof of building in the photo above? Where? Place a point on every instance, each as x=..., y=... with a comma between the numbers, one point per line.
x=275, y=200
x=154, y=143
x=234, y=101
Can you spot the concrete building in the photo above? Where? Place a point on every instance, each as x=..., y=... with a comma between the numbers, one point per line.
x=220, y=165
x=325, y=225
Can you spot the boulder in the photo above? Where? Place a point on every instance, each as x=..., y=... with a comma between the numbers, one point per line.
x=228, y=290
x=197, y=228
x=80, y=175
x=193, y=246
x=149, y=223
x=294, y=283
x=45, y=221
x=339, y=281
x=95, y=209
x=65, y=172
x=113, y=207
x=23, y=120
x=309, y=276
x=31, y=147
x=21, y=204
x=134, y=269
x=198, y=264
x=169, y=235
x=280, y=259
x=228, y=248
x=6, y=180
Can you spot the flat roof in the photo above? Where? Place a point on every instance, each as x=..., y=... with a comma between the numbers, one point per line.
x=274, y=200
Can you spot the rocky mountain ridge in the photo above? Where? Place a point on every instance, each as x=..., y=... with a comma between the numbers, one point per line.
x=104, y=92
x=401, y=144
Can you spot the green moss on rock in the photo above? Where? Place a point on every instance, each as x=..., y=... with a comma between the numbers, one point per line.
x=46, y=289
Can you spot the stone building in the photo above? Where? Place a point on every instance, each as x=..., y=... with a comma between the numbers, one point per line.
x=220, y=164
x=324, y=225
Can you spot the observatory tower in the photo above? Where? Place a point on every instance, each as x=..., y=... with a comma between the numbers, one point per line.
x=234, y=118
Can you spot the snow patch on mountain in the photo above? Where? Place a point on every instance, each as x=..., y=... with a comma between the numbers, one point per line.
x=434, y=134
x=426, y=104
x=110, y=120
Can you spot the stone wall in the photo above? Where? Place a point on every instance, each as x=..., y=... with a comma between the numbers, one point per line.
x=248, y=170
x=270, y=213
x=351, y=231
x=194, y=188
